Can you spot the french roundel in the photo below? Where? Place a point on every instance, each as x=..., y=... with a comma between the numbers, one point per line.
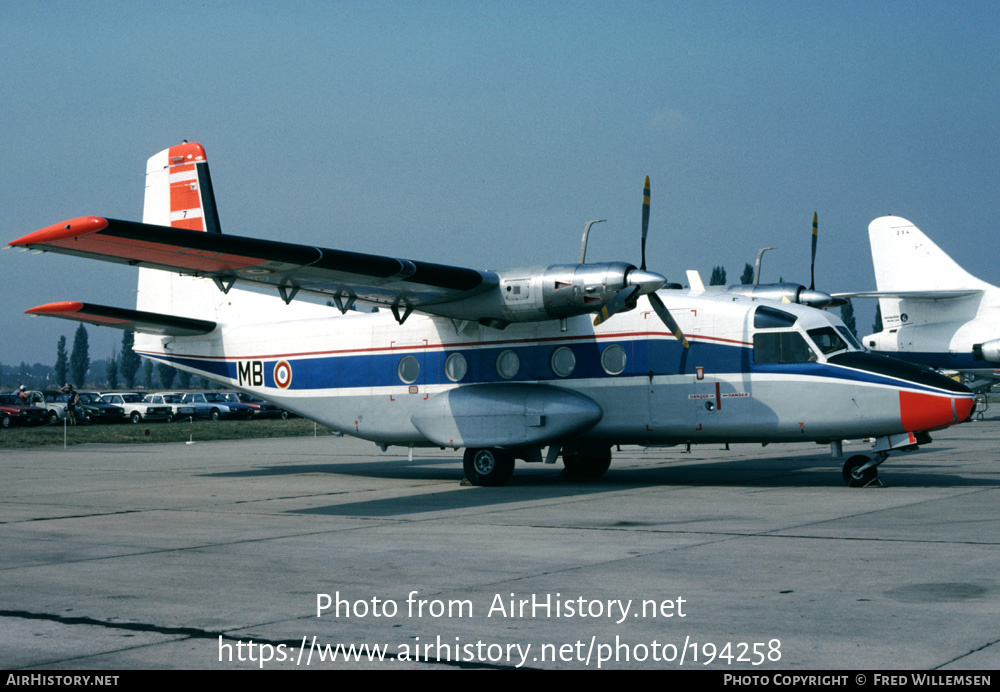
x=282, y=374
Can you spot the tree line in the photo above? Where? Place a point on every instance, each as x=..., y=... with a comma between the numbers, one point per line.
x=124, y=369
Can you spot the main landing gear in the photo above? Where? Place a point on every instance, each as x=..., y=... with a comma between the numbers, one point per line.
x=492, y=466
x=587, y=464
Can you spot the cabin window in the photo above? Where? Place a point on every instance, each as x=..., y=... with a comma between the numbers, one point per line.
x=771, y=318
x=508, y=364
x=613, y=359
x=781, y=347
x=408, y=369
x=563, y=361
x=827, y=340
x=455, y=367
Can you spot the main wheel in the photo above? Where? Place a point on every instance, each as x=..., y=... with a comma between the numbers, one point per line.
x=6, y=422
x=490, y=466
x=854, y=476
x=215, y=414
x=136, y=417
x=587, y=465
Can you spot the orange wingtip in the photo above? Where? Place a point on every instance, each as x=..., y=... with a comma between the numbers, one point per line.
x=74, y=228
x=55, y=308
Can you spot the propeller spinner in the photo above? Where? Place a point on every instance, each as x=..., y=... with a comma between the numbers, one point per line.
x=643, y=282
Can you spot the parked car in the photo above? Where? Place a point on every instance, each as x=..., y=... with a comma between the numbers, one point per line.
x=136, y=409
x=178, y=409
x=213, y=405
x=261, y=408
x=93, y=409
x=13, y=412
x=52, y=401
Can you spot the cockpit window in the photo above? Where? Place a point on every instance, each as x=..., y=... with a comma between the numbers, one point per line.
x=770, y=318
x=850, y=338
x=827, y=339
x=781, y=347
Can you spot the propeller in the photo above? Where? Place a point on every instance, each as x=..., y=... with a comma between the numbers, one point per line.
x=641, y=282
x=812, y=266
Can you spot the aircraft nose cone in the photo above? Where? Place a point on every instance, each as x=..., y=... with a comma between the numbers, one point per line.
x=647, y=281
x=920, y=411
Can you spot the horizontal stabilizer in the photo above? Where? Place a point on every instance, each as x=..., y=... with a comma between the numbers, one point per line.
x=122, y=318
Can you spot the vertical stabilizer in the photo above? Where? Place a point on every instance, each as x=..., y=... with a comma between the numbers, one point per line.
x=179, y=190
x=179, y=194
x=907, y=260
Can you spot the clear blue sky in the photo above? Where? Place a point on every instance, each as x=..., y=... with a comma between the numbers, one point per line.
x=485, y=134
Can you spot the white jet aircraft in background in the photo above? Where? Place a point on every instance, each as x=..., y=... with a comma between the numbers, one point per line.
x=934, y=313
x=533, y=363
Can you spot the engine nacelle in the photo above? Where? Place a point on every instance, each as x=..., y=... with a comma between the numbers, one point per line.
x=793, y=293
x=561, y=290
x=988, y=351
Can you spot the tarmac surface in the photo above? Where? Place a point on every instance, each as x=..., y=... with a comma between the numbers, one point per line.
x=751, y=560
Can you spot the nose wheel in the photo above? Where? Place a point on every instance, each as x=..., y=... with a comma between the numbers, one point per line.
x=861, y=471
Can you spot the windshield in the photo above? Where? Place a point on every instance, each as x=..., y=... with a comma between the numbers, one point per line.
x=781, y=347
x=827, y=339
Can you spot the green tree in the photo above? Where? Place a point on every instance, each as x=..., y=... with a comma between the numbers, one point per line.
x=62, y=362
x=718, y=277
x=847, y=315
x=877, y=327
x=166, y=374
x=747, y=276
x=129, y=360
x=148, y=373
x=184, y=379
x=79, y=359
x=112, y=370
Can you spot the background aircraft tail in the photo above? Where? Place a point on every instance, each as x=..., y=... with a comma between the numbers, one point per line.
x=906, y=259
x=917, y=281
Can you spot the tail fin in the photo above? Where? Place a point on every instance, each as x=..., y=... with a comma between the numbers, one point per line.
x=179, y=190
x=924, y=283
x=179, y=194
x=907, y=260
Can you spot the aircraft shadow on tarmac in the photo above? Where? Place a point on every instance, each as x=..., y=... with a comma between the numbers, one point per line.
x=536, y=482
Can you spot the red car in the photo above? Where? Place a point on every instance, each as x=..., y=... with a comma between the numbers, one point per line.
x=15, y=413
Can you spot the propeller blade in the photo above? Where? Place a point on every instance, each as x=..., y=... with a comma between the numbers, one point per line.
x=812, y=267
x=615, y=304
x=645, y=220
x=667, y=319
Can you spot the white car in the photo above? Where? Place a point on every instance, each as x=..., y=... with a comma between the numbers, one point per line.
x=175, y=400
x=136, y=408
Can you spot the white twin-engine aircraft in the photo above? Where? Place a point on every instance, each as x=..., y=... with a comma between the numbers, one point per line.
x=529, y=364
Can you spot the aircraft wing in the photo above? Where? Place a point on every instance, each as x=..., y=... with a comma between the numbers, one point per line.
x=913, y=295
x=121, y=318
x=337, y=274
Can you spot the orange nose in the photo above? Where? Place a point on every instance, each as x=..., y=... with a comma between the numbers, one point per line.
x=919, y=411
